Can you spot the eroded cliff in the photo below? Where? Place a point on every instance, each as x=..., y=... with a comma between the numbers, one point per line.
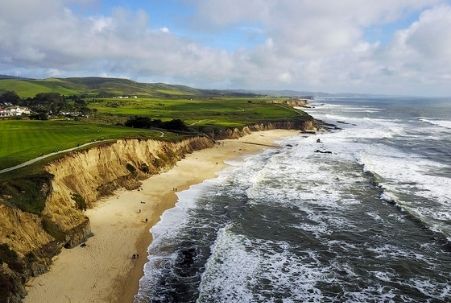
x=29, y=241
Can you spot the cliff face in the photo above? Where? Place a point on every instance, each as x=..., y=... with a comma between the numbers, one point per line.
x=309, y=125
x=28, y=242
x=294, y=102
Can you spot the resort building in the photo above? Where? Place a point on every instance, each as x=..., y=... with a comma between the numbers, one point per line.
x=14, y=111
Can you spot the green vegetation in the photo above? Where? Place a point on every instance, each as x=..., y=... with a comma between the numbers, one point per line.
x=79, y=201
x=104, y=106
x=94, y=86
x=29, y=193
x=30, y=88
x=207, y=111
x=24, y=140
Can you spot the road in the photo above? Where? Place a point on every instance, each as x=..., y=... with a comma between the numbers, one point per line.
x=32, y=161
x=29, y=162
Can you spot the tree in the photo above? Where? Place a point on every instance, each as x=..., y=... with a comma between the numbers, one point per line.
x=10, y=97
x=40, y=115
x=175, y=124
x=146, y=122
x=139, y=122
x=52, y=102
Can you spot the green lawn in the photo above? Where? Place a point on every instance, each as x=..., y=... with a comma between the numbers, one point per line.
x=216, y=111
x=24, y=140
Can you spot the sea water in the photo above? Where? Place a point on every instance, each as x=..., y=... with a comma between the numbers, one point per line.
x=362, y=216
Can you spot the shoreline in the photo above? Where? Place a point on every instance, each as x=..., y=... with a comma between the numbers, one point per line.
x=103, y=270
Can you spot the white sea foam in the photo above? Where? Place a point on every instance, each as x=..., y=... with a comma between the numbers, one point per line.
x=175, y=218
x=400, y=173
x=395, y=252
x=442, y=123
x=441, y=291
x=245, y=270
x=408, y=174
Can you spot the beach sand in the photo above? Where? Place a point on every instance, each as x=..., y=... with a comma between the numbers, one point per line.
x=103, y=270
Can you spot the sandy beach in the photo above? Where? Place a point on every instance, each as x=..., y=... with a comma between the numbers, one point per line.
x=104, y=270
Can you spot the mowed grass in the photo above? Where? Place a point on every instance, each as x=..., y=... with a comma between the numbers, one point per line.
x=21, y=141
x=215, y=111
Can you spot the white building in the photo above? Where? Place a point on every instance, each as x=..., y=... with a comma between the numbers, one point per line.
x=14, y=111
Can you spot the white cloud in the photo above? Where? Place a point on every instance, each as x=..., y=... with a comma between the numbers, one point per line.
x=317, y=45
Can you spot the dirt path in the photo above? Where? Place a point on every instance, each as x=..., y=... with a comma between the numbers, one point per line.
x=32, y=161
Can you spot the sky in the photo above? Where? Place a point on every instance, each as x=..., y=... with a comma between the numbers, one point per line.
x=400, y=47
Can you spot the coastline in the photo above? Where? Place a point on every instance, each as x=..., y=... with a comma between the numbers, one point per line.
x=104, y=270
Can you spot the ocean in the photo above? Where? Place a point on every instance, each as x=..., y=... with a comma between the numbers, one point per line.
x=364, y=215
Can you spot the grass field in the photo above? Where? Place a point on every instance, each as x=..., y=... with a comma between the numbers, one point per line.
x=24, y=140
x=215, y=111
x=26, y=88
x=94, y=86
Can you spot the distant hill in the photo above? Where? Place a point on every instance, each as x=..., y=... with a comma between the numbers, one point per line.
x=109, y=87
x=284, y=93
x=13, y=77
x=96, y=86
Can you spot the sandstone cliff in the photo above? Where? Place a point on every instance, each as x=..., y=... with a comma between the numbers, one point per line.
x=294, y=102
x=29, y=241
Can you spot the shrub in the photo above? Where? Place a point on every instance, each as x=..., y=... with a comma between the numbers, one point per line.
x=80, y=202
x=130, y=168
x=146, y=122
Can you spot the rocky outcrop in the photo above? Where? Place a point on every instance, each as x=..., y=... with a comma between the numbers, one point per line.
x=306, y=125
x=29, y=241
x=294, y=102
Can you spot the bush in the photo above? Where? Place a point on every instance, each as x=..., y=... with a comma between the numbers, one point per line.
x=146, y=122
x=39, y=116
x=80, y=202
x=175, y=124
x=130, y=168
x=139, y=122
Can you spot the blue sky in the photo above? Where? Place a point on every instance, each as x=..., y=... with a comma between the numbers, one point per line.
x=177, y=16
x=385, y=46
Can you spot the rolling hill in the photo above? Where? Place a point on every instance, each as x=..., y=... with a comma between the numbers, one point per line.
x=95, y=86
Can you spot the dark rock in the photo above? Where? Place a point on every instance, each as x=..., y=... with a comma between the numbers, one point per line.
x=323, y=151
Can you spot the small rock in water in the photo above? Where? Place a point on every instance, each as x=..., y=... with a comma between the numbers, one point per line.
x=323, y=151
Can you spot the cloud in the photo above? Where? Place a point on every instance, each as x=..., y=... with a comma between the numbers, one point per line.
x=317, y=45
x=124, y=43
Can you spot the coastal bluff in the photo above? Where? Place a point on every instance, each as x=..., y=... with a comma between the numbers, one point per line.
x=74, y=182
x=28, y=242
